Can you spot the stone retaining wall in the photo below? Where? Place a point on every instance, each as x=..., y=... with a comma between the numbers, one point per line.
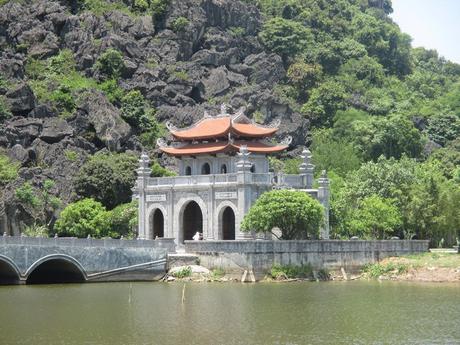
x=331, y=254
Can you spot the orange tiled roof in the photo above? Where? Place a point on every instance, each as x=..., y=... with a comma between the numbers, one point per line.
x=219, y=147
x=211, y=128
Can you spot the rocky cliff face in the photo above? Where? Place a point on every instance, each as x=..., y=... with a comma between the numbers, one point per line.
x=215, y=58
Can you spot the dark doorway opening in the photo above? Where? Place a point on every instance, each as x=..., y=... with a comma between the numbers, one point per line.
x=158, y=224
x=8, y=275
x=188, y=171
x=223, y=169
x=192, y=221
x=228, y=224
x=205, y=169
x=56, y=271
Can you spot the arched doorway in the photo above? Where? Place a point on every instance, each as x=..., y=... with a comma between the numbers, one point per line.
x=158, y=224
x=228, y=224
x=8, y=273
x=192, y=221
x=223, y=169
x=56, y=270
x=188, y=171
x=205, y=169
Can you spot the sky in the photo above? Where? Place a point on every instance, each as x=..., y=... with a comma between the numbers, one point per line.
x=433, y=24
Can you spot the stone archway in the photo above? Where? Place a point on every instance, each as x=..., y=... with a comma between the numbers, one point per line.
x=225, y=220
x=157, y=224
x=191, y=221
x=150, y=232
x=228, y=224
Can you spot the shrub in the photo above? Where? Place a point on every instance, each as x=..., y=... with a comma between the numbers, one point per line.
x=107, y=178
x=8, y=170
x=159, y=171
x=110, y=63
x=378, y=269
x=36, y=230
x=295, y=213
x=111, y=89
x=5, y=112
x=71, y=155
x=159, y=8
x=179, y=24
x=27, y=195
x=291, y=271
x=183, y=272
x=123, y=220
x=83, y=218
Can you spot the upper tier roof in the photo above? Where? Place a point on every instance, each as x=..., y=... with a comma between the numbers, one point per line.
x=221, y=126
x=222, y=146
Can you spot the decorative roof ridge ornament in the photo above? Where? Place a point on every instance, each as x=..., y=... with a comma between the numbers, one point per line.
x=274, y=124
x=161, y=142
x=170, y=126
x=286, y=141
x=223, y=109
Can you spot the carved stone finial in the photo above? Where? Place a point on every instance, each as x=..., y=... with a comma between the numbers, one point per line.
x=223, y=108
x=275, y=123
x=287, y=141
x=161, y=142
x=170, y=126
x=230, y=138
x=244, y=152
x=324, y=174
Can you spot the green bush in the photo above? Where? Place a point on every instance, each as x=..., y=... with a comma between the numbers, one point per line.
x=295, y=213
x=123, y=220
x=159, y=171
x=107, y=178
x=159, y=8
x=291, y=271
x=179, y=24
x=110, y=63
x=83, y=218
x=378, y=269
x=8, y=169
x=5, y=112
x=111, y=89
x=36, y=230
x=27, y=195
x=183, y=272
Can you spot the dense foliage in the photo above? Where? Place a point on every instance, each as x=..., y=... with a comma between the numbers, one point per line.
x=385, y=117
x=294, y=213
x=107, y=178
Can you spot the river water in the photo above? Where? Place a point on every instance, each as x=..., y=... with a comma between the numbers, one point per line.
x=231, y=313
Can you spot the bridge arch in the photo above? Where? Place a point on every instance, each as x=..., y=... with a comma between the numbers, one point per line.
x=55, y=268
x=9, y=272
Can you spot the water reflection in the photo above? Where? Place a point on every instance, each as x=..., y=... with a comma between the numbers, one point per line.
x=307, y=313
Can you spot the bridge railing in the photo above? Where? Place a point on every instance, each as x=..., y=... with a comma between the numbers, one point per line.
x=166, y=243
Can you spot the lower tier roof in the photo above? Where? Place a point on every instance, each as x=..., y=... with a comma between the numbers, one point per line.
x=220, y=147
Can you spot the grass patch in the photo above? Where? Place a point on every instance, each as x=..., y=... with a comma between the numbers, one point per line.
x=291, y=271
x=217, y=274
x=379, y=269
x=183, y=272
x=8, y=169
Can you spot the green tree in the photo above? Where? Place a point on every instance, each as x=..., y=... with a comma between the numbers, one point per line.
x=123, y=220
x=324, y=101
x=285, y=37
x=443, y=128
x=336, y=154
x=27, y=195
x=107, y=178
x=295, y=213
x=391, y=137
x=83, y=218
x=110, y=63
x=375, y=218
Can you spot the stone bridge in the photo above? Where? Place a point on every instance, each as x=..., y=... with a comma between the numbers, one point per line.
x=68, y=260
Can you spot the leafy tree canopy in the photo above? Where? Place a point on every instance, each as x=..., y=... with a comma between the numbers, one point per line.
x=295, y=213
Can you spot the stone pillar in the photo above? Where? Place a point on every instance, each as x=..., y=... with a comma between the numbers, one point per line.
x=244, y=178
x=323, y=197
x=306, y=168
x=143, y=174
